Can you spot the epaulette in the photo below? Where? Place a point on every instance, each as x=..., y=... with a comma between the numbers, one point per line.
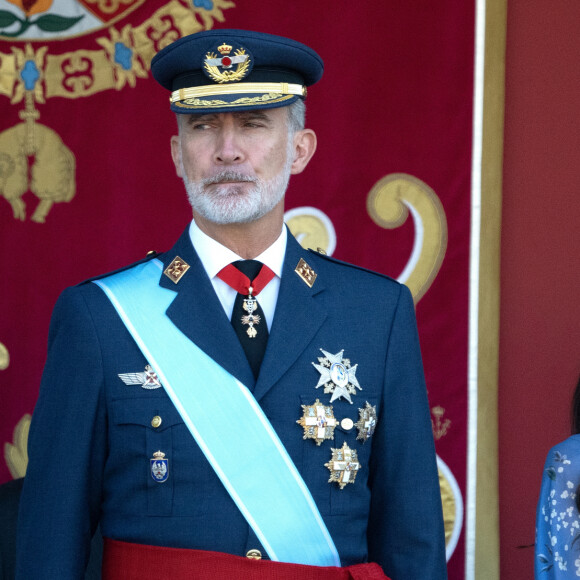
x=150, y=255
x=322, y=254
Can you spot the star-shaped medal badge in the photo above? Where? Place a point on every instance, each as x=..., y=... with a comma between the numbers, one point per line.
x=318, y=422
x=337, y=376
x=343, y=466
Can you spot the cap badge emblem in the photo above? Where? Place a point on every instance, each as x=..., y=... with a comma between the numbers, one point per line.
x=159, y=467
x=229, y=65
x=318, y=422
x=337, y=376
x=367, y=422
x=343, y=466
x=147, y=379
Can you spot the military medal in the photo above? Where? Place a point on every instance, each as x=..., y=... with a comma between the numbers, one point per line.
x=337, y=376
x=237, y=280
x=159, y=467
x=367, y=421
x=318, y=422
x=249, y=306
x=147, y=379
x=343, y=466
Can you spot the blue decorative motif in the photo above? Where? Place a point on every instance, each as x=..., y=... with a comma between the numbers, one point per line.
x=123, y=55
x=205, y=4
x=30, y=75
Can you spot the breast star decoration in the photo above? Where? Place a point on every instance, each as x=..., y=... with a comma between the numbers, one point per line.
x=343, y=466
x=337, y=376
x=318, y=422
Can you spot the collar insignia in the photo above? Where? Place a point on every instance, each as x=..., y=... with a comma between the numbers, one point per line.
x=318, y=422
x=176, y=269
x=367, y=422
x=148, y=379
x=305, y=272
x=230, y=65
x=337, y=376
x=343, y=466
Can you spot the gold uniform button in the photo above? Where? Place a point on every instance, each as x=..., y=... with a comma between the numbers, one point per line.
x=347, y=424
x=156, y=421
x=254, y=554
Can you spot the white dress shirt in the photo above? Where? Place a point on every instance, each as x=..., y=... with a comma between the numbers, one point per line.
x=215, y=257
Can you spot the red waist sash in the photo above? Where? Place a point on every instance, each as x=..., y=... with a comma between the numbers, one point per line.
x=127, y=561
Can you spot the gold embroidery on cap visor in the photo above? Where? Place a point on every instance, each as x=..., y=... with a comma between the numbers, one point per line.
x=267, y=93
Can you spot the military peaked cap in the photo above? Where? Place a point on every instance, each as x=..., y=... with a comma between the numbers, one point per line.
x=235, y=70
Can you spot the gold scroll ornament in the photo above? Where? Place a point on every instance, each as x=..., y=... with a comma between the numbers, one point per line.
x=312, y=228
x=16, y=453
x=4, y=357
x=389, y=203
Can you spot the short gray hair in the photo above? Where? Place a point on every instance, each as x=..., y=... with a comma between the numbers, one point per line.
x=296, y=116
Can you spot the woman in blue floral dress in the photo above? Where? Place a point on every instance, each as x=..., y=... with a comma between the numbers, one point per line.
x=557, y=553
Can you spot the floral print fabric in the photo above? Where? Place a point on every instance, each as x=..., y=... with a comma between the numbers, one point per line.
x=557, y=554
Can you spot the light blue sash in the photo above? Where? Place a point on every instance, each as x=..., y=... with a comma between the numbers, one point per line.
x=227, y=423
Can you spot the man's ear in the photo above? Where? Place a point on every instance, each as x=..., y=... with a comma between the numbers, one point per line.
x=176, y=155
x=304, y=148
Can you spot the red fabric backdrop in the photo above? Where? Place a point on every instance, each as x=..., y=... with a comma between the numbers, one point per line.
x=396, y=97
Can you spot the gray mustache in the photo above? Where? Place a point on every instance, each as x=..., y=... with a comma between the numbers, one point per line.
x=228, y=176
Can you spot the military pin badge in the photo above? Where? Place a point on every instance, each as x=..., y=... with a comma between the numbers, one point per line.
x=147, y=379
x=318, y=422
x=343, y=466
x=337, y=376
x=306, y=273
x=176, y=269
x=159, y=467
x=367, y=422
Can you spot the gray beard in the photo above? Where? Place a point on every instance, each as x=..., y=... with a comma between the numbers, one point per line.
x=229, y=204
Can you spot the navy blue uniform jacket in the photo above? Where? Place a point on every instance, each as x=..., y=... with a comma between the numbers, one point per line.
x=91, y=438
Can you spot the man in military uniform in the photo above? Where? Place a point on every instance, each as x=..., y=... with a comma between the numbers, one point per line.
x=226, y=422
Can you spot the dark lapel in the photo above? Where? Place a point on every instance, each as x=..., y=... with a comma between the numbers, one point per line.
x=197, y=312
x=298, y=317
